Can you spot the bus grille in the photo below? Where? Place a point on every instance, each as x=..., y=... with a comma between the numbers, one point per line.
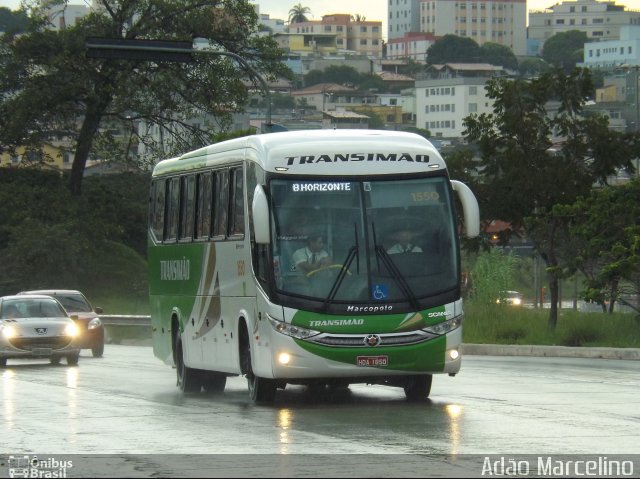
x=359, y=340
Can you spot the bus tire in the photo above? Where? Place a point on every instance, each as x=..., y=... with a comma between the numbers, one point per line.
x=417, y=388
x=261, y=390
x=189, y=380
x=213, y=382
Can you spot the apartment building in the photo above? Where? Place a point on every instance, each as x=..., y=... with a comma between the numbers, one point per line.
x=412, y=45
x=446, y=94
x=361, y=37
x=601, y=21
x=496, y=21
x=613, y=53
x=404, y=17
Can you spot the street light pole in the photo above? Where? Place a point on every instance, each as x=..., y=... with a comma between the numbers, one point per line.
x=161, y=50
x=243, y=62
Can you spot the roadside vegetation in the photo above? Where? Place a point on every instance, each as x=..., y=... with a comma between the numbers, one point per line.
x=496, y=324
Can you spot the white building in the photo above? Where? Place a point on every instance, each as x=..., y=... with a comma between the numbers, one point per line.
x=451, y=92
x=412, y=45
x=500, y=21
x=404, y=17
x=601, y=21
x=607, y=54
x=65, y=15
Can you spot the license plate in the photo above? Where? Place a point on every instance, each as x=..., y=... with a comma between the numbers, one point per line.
x=372, y=361
x=41, y=351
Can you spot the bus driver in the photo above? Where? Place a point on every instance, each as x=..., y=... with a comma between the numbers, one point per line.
x=313, y=256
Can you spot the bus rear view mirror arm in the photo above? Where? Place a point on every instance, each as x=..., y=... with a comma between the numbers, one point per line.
x=470, y=208
x=260, y=208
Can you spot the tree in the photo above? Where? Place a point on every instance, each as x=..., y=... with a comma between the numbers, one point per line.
x=533, y=66
x=528, y=175
x=52, y=90
x=298, y=14
x=13, y=22
x=452, y=48
x=500, y=55
x=358, y=18
x=565, y=49
x=606, y=240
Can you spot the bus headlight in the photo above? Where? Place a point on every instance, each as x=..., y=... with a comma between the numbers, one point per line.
x=445, y=326
x=291, y=330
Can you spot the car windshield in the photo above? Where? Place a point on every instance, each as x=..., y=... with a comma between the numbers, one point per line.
x=391, y=240
x=31, y=308
x=74, y=303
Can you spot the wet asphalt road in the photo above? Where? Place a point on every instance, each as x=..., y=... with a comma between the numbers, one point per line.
x=123, y=415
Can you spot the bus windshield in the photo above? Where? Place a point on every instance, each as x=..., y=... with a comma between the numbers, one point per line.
x=364, y=241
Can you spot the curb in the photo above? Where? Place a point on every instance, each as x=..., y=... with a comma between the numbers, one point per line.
x=629, y=354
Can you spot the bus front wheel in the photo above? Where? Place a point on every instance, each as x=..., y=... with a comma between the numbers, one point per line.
x=189, y=380
x=417, y=388
x=261, y=390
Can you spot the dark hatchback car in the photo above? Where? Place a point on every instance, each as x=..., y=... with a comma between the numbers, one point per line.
x=88, y=321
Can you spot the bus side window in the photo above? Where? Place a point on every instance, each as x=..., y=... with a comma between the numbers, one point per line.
x=173, y=200
x=221, y=203
x=236, y=217
x=157, y=208
x=187, y=190
x=203, y=207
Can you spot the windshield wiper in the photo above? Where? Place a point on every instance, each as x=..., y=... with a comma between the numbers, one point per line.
x=382, y=254
x=351, y=254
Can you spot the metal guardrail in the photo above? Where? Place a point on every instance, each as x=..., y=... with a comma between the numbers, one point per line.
x=125, y=320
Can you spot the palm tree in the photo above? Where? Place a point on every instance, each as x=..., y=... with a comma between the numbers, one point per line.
x=298, y=14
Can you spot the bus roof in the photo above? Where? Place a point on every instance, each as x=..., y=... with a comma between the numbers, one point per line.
x=318, y=152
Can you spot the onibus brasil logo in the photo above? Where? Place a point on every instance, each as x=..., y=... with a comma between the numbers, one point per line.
x=32, y=466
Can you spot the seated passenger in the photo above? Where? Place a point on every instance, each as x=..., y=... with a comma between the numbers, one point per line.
x=403, y=239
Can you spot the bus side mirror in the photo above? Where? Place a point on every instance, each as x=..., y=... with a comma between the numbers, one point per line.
x=260, y=208
x=470, y=208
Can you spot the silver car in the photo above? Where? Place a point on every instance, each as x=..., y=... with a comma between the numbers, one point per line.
x=36, y=326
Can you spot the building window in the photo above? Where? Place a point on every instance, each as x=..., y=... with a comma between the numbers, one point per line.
x=473, y=90
x=473, y=107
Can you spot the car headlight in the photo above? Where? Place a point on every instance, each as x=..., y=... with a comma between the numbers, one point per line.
x=94, y=323
x=517, y=301
x=8, y=332
x=71, y=330
x=445, y=326
x=291, y=330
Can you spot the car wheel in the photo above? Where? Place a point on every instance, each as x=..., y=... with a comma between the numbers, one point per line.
x=189, y=380
x=55, y=360
x=98, y=351
x=417, y=388
x=3, y=362
x=213, y=382
x=72, y=359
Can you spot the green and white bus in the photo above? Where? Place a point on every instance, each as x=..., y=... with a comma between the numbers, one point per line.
x=233, y=287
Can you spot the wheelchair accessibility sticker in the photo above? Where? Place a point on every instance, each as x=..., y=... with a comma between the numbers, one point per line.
x=379, y=292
